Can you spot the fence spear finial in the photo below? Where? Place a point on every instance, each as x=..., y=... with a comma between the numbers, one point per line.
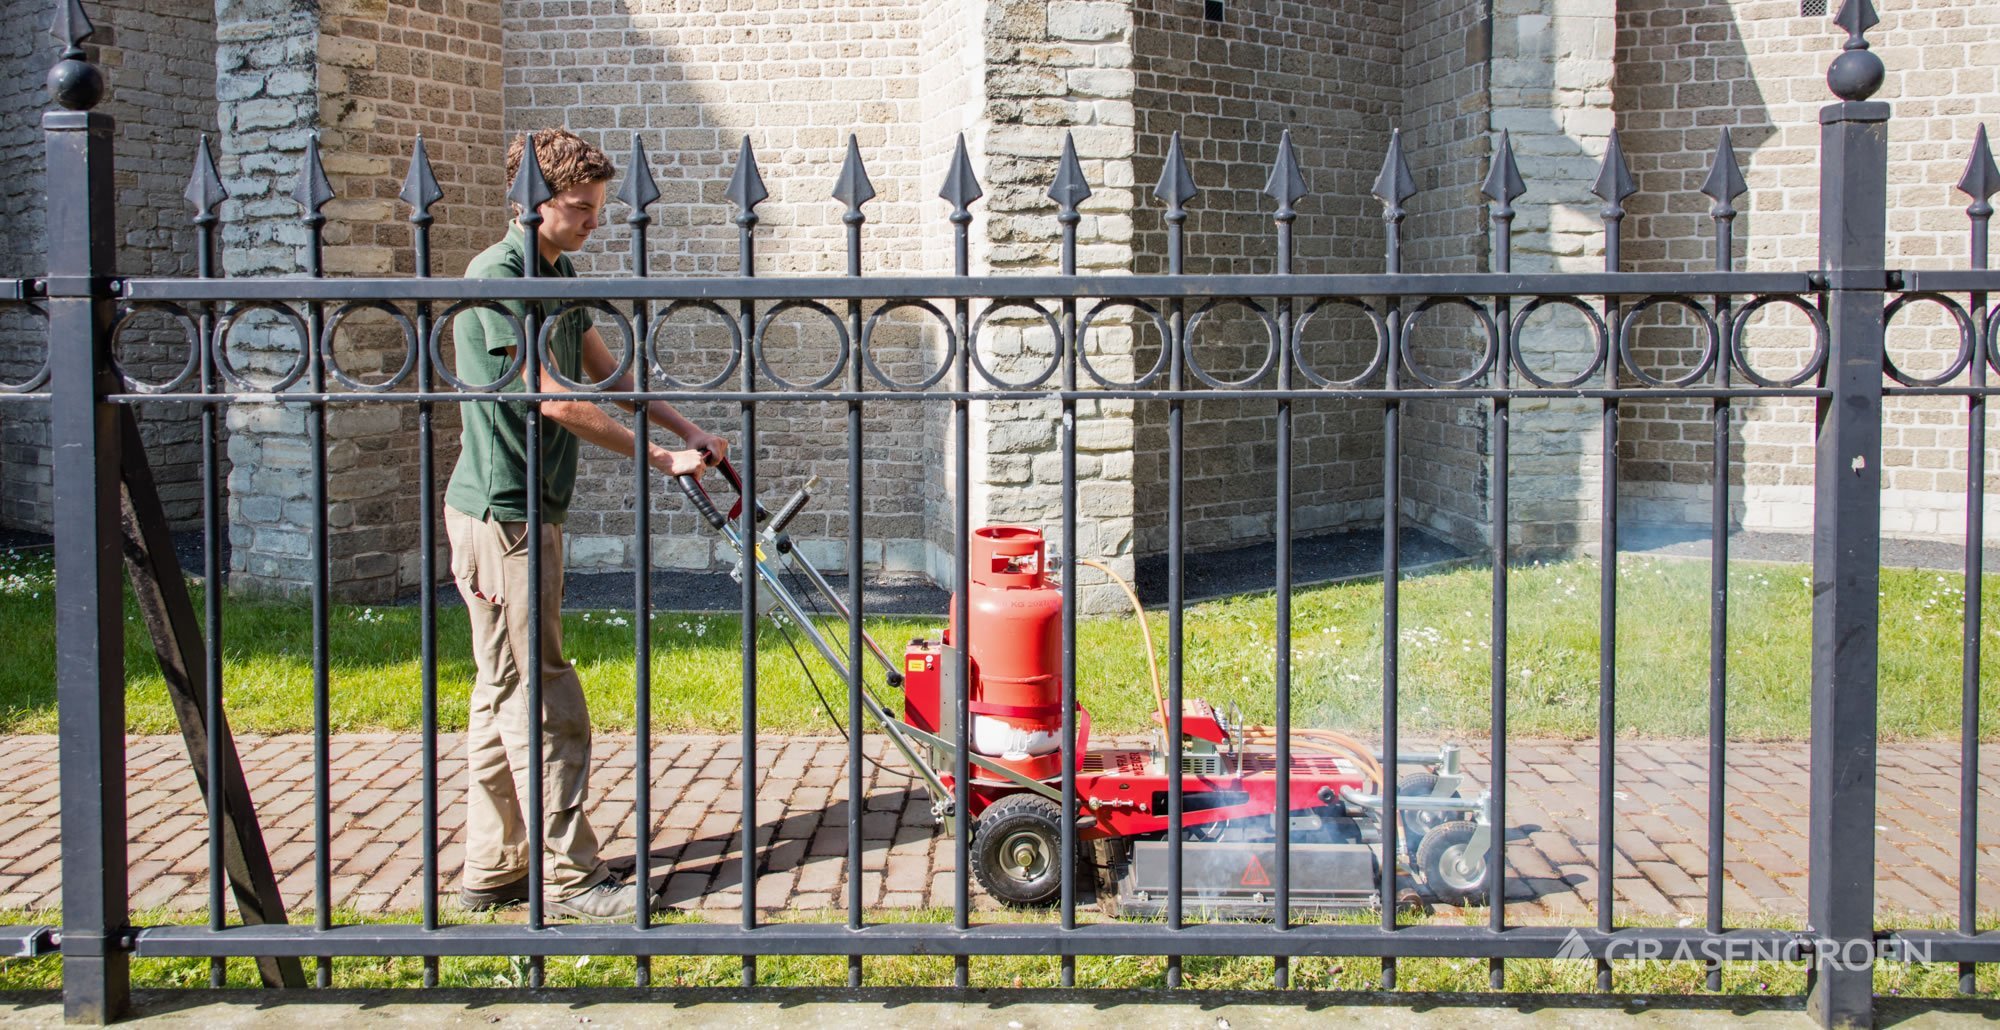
x=1176, y=186
x=1614, y=179
x=961, y=185
x=529, y=190
x=74, y=82
x=1069, y=188
x=1503, y=183
x=1725, y=179
x=313, y=190
x=1856, y=74
x=204, y=189
x=1981, y=179
x=852, y=188
x=746, y=186
x=638, y=192
x=420, y=186
x=1394, y=184
x=1285, y=184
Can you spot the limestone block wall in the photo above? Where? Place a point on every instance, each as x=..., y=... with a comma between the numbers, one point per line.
x=1552, y=70
x=369, y=75
x=1755, y=66
x=1231, y=87
x=160, y=79
x=1445, y=119
x=1057, y=68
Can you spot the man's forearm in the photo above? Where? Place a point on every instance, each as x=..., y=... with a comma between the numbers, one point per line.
x=591, y=424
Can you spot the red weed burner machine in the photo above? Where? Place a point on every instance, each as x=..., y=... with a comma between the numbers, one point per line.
x=1230, y=804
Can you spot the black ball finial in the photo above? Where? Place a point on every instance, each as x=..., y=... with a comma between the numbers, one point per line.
x=1855, y=75
x=76, y=84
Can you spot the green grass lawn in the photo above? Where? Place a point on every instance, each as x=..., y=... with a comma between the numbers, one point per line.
x=1229, y=656
x=1747, y=980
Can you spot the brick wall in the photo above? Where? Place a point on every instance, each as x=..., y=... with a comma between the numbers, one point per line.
x=692, y=82
x=160, y=75
x=1231, y=88
x=1684, y=71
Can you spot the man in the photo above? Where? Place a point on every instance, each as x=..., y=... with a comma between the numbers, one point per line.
x=486, y=521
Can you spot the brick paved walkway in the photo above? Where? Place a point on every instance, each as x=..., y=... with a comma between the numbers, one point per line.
x=908, y=862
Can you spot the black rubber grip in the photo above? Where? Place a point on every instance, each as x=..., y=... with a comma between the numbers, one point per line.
x=692, y=489
x=791, y=509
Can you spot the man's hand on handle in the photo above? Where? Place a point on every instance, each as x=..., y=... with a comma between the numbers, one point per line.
x=703, y=450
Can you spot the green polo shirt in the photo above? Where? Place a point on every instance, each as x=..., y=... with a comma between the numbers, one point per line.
x=491, y=476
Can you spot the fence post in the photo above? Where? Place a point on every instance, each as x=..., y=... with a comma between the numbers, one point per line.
x=1847, y=522
x=90, y=629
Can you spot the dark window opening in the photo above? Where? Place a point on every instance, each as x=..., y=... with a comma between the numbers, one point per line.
x=1212, y=9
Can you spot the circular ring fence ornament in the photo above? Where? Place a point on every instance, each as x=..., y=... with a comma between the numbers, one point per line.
x=513, y=369
x=1708, y=353
x=1993, y=338
x=1055, y=333
x=1968, y=340
x=1144, y=308
x=1272, y=348
x=228, y=370
x=41, y=376
x=659, y=367
x=1596, y=359
x=411, y=345
x=868, y=339
x=764, y=328
x=546, y=332
x=1740, y=357
x=189, y=328
x=1486, y=360
x=1375, y=363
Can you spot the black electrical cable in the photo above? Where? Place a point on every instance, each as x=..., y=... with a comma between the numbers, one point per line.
x=824, y=706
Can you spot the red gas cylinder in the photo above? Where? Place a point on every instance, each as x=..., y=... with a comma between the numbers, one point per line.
x=1015, y=625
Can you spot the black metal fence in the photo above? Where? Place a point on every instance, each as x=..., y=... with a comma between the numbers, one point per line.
x=1848, y=300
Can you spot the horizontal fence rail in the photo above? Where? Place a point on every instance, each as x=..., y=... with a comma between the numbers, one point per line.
x=1846, y=306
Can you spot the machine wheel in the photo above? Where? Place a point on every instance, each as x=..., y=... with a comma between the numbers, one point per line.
x=1454, y=875
x=1417, y=824
x=1017, y=850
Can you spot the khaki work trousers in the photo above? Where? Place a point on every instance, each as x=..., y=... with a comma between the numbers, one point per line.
x=489, y=559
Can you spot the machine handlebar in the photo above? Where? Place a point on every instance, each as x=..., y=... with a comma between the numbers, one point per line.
x=704, y=505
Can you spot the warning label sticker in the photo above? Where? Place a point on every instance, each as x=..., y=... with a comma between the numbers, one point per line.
x=1254, y=874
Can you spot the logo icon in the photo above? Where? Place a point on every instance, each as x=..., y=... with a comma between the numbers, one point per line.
x=1573, y=947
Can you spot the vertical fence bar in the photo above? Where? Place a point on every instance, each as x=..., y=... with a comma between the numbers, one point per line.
x=205, y=192
x=1072, y=346
x=1725, y=183
x=746, y=190
x=90, y=627
x=1981, y=181
x=1392, y=187
x=961, y=585
x=1847, y=521
x=1175, y=187
x=1503, y=186
x=312, y=192
x=1614, y=184
x=854, y=189
x=528, y=193
x=1286, y=186
x=420, y=191
x=638, y=193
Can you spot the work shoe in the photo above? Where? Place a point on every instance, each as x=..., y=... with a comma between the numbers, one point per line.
x=605, y=901
x=506, y=895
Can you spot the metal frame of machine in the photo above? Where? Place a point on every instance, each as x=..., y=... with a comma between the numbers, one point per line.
x=1228, y=782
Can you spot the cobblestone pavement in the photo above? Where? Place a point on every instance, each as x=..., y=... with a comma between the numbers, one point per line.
x=1661, y=828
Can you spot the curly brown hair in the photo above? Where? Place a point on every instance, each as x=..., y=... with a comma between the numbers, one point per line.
x=567, y=161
